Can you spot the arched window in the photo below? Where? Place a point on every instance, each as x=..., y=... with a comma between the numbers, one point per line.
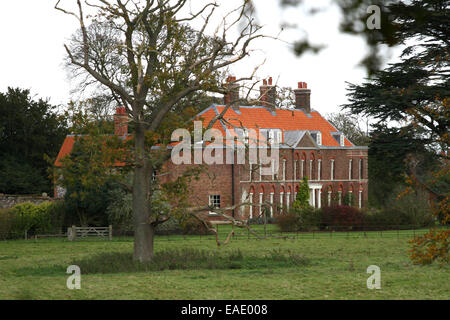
x=281, y=197
x=361, y=162
x=261, y=200
x=311, y=166
x=288, y=197
x=341, y=188
x=350, y=169
x=250, y=200
x=360, y=196
x=272, y=193
x=330, y=192
x=303, y=165
x=332, y=176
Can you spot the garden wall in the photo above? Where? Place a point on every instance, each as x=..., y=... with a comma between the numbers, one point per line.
x=8, y=200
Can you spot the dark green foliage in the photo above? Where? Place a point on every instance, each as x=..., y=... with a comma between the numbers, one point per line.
x=188, y=259
x=342, y=218
x=309, y=218
x=29, y=130
x=6, y=222
x=389, y=150
x=43, y=218
x=302, y=198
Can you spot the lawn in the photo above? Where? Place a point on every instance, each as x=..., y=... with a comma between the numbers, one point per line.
x=333, y=266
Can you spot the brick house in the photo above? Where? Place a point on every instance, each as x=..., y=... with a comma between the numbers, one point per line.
x=308, y=146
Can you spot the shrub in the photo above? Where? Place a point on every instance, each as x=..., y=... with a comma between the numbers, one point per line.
x=6, y=222
x=46, y=217
x=309, y=218
x=193, y=226
x=342, y=218
x=172, y=226
x=260, y=220
x=288, y=222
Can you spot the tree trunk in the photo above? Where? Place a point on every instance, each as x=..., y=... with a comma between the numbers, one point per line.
x=143, y=230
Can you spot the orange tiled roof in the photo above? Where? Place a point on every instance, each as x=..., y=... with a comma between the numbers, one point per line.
x=251, y=118
x=284, y=119
x=67, y=148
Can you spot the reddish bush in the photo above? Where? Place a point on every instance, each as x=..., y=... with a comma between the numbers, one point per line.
x=288, y=222
x=342, y=218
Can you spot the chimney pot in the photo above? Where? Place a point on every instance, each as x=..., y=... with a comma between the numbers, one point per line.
x=303, y=97
x=268, y=93
x=121, y=122
x=232, y=93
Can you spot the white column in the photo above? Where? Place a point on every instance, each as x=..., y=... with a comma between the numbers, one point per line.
x=319, y=199
x=271, y=204
x=313, y=197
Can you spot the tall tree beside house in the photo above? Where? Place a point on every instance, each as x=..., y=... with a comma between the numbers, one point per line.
x=413, y=96
x=302, y=198
x=351, y=126
x=30, y=129
x=149, y=58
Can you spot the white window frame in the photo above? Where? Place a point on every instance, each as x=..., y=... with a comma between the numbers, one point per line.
x=281, y=200
x=350, y=169
x=295, y=170
x=319, y=138
x=332, y=170
x=340, y=198
x=360, y=173
x=360, y=199
x=329, y=198
x=319, y=169
x=212, y=200
x=302, y=168
x=341, y=140
x=261, y=199
x=271, y=204
x=288, y=199
x=250, y=211
x=311, y=169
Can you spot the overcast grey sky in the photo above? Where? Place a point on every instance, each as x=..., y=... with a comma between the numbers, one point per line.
x=33, y=34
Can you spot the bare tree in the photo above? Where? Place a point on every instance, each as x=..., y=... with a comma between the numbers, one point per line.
x=149, y=58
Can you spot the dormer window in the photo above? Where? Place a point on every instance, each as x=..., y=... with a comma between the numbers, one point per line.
x=339, y=137
x=317, y=137
x=271, y=135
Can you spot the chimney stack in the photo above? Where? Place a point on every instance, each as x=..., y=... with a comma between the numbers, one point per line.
x=121, y=122
x=232, y=94
x=303, y=97
x=268, y=93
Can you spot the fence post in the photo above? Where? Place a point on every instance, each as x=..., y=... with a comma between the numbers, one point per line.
x=110, y=232
x=74, y=233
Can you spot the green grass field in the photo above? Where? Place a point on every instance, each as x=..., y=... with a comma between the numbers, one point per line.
x=335, y=268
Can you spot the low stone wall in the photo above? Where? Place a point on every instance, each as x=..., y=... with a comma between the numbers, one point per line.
x=10, y=200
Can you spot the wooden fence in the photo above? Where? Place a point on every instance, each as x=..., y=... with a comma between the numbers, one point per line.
x=82, y=232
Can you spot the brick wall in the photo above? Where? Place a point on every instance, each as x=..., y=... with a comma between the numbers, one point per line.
x=217, y=180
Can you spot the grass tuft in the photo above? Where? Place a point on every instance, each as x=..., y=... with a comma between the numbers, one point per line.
x=186, y=259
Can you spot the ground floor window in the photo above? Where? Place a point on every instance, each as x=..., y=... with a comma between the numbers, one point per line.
x=214, y=201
